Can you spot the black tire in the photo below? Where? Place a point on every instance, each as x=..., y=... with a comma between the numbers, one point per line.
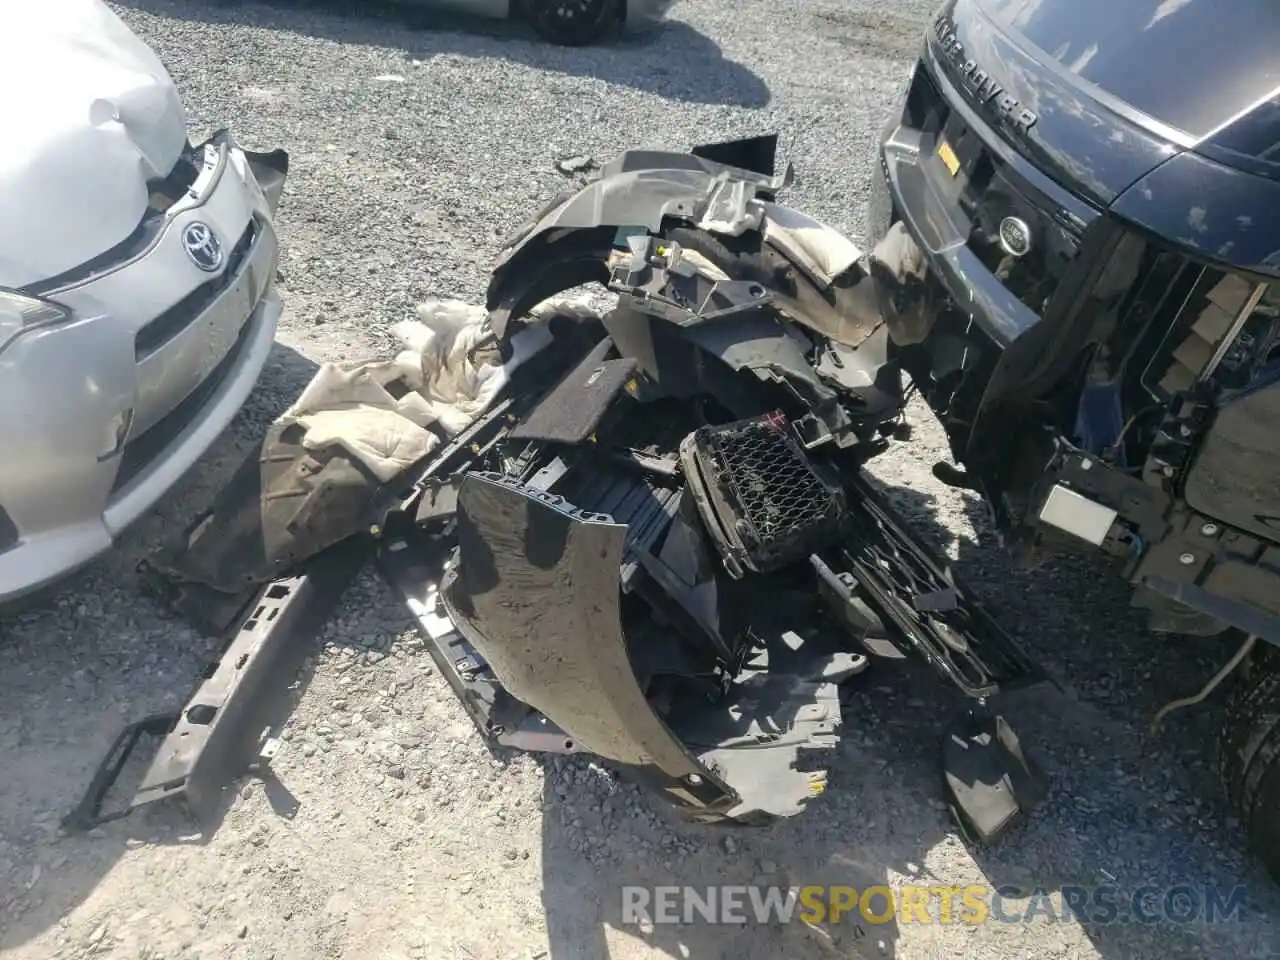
x=1249, y=755
x=574, y=23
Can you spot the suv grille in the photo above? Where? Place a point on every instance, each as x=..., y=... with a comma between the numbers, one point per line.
x=987, y=192
x=761, y=492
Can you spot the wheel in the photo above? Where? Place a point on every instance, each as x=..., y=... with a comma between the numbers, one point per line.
x=573, y=23
x=1250, y=755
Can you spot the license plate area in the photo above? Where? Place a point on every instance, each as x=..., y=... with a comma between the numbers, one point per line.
x=948, y=156
x=963, y=158
x=220, y=327
x=201, y=332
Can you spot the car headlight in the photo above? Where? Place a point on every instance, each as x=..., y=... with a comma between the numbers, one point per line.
x=20, y=313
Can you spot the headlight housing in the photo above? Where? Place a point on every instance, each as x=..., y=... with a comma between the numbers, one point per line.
x=20, y=312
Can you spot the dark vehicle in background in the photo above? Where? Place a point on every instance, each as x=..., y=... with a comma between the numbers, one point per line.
x=1076, y=233
x=567, y=22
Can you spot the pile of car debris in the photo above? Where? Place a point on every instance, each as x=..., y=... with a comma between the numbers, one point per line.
x=584, y=509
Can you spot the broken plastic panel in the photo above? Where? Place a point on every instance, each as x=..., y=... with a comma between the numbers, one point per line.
x=220, y=733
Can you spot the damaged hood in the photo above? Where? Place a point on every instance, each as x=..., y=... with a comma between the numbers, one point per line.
x=1193, y=65
x=97, y=118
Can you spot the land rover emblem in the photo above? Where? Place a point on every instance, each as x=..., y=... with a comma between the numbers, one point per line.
x=1015, y=237
x=202, y=246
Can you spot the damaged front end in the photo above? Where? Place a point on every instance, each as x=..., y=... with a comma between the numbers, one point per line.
x=632, y=571
x=654, y=542
x=539, y=589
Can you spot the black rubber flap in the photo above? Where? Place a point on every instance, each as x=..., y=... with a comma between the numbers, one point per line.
x=572, y=411
x=988, y=777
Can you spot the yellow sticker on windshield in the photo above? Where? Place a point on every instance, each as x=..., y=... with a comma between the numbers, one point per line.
x=949, y=158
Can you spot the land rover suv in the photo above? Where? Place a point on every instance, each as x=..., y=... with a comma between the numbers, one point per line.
x=1076, y=226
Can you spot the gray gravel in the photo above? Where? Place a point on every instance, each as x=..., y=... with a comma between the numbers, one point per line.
x=414, y=152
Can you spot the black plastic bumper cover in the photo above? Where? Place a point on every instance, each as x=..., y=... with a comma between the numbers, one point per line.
x=270, y=170
x=536, y=591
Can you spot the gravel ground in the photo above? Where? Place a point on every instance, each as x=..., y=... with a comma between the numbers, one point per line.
x=414, y=151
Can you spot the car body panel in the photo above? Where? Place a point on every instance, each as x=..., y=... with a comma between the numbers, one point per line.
x=1061, y=91
x=1217, y=211
x=636, y=12
x=83, y=532
x=94, y=130
x=226, y=200
x=1093, y=104
x=58, y=486
x=497, y=9
x=536, y=591
x=1094, y=147
x=105, y=411
x=574, y=600
x=640, y=189
x=1076, y=153
x=1232, y=46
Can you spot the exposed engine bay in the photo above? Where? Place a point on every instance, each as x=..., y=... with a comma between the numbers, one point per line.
x=1135, y=425
x=654, y=541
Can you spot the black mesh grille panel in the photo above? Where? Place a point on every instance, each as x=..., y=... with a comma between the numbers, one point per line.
x=760, y=495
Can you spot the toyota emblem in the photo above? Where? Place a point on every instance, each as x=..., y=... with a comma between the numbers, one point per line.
x=1015, y=236
x=202, y=246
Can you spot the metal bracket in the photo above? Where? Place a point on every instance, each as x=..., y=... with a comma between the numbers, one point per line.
x=220, y=733
x=88, y=814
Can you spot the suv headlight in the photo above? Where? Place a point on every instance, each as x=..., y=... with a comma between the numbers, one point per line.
x=20, y=312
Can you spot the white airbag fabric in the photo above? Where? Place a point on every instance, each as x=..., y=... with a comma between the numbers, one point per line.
x=445, y=375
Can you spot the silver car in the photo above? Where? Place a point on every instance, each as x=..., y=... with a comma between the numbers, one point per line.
x=136, y=286
x=569, y=22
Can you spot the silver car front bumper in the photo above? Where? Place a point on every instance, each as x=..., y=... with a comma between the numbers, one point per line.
x=100, y=416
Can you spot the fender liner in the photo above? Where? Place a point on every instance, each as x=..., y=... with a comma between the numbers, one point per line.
x=568, y=242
